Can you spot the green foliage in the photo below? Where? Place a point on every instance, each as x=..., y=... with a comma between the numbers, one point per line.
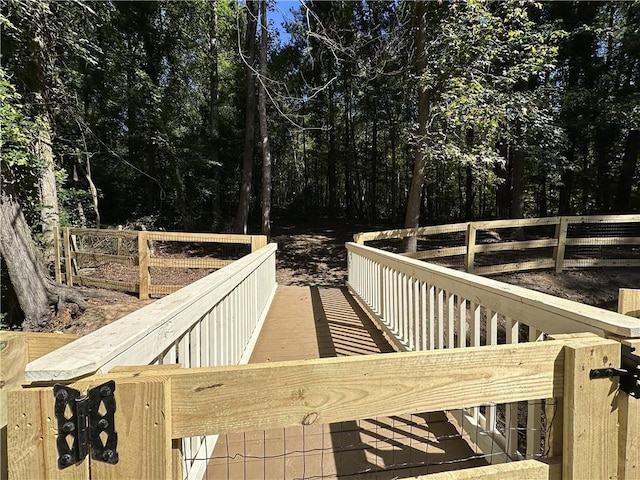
x=20, y=168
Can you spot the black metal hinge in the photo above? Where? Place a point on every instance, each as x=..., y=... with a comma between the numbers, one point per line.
x=629, y=372
x=86, y=423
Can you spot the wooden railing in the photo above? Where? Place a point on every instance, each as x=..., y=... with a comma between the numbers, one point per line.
x=158, y=405
x=133, y=248
x=422, y=306
x=554, y=242
x=211, y=322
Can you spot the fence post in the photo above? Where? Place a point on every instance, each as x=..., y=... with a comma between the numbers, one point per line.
x=629, y=302
x=257, y=242
x=561, y=236
x=57, y=259
x=143, y=265
x=590, y=428
x=119, y=242
x=629, y=440
x=68, y=268
x=470, y=240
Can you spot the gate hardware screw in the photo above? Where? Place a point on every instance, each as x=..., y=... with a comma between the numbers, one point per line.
x=108, y=455
x=65, y=460
x=103, y=423
x=62, y=395
x=68, y=427
x=105, y=391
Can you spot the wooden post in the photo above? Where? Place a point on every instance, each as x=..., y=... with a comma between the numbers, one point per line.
x=590, y=429
x=561, y=236
x=470, y=240
x=67, y=256
x=56, y=246
x=257, y=242
x=629, y=302
x=143, y=262
x=629, y=420
x=119, y=242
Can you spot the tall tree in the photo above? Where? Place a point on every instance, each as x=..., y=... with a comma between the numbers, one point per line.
x=264, y=132
x=242, y=214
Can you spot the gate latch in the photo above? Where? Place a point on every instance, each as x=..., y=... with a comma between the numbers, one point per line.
x=629, y=372
x=86, y=423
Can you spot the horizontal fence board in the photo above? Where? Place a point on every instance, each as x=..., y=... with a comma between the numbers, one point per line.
x=106, y=257
x=440, y=252
x=109, y=284
x=602, y=241
x=515, y=267
x=631, y=218
x=515, y=223
x=340, y=389
x=188, y=262
x=164, y=289
x=103, y=232
x=523, y=245
x=198, y=237
x=410, y=232
x=603, y=262
x=523, y=470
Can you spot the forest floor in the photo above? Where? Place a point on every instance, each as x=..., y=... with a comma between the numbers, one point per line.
x=314, y=254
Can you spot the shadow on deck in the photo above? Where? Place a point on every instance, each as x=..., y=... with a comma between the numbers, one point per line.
x=309, y=323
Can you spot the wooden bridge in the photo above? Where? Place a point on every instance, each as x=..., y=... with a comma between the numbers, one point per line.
x=494, y=381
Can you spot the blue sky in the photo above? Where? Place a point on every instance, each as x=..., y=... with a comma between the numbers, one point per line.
x=280, y=13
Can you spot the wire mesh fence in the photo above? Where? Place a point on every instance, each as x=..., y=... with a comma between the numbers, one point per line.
x=378, y=448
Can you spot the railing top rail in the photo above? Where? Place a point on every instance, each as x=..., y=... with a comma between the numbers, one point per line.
x=139, y=337
x=543, y=311
x=161, y=235
x=491, y=224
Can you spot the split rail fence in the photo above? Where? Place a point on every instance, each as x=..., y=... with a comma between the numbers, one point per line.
x=76, y=247
x=554, y=242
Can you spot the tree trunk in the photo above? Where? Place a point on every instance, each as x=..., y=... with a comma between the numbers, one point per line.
x=242, y=214
x=262, y=107
x=412, y=217
x=214, y=113
x=331, y=161
x=24, y=264
x=627, y=172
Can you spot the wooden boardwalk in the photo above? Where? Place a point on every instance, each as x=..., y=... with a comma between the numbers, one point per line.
x=309, y=323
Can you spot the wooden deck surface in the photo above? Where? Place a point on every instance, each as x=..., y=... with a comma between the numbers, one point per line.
x=312, y=322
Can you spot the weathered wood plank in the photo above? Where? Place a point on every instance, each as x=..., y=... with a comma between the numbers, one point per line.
x=66, y=240
x=590, y=434
x=334, y=390
x=523, y=470
x=198, y=237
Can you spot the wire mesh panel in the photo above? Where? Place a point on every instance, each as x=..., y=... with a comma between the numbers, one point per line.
x=381, y=448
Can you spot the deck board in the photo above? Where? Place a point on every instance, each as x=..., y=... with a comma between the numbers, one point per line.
x=313, y=322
